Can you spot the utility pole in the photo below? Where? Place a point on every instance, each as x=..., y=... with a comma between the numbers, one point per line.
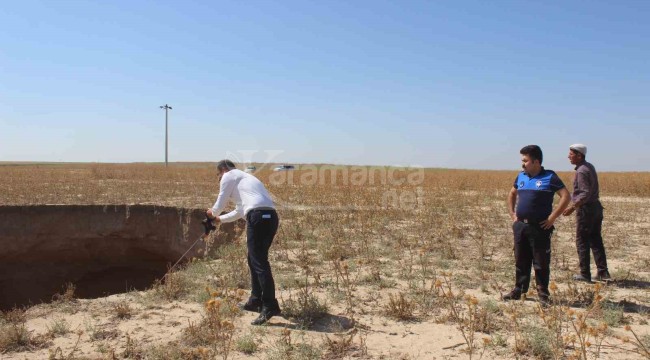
x=167, y=108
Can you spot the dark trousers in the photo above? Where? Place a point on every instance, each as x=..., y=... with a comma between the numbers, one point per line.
x=260, y=230
x=589, y=218
x=532, y=248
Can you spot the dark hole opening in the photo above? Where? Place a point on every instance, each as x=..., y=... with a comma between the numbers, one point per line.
x=102, y=250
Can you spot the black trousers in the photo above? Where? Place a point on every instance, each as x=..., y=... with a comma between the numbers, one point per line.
x=589, y=218
x=532, y=248
x=260, y=231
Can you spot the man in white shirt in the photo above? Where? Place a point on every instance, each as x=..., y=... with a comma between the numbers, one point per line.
x=253, y=202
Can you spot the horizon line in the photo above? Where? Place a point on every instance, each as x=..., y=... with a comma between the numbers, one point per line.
x=5, y=163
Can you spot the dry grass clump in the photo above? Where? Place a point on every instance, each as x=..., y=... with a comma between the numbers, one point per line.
x=246, y=344
x=13, y=316
x=488, y=317
x=344, y=346
x=400, y=307
x=16, y=337
x=175, y=351
x=464, y=310
x=215, y=331
x=231, y=269
x=286, y=348
x=562, y=331
x=122, y=310
x=305, y=309
x=641, y=344
x=176, y=285
x=68, y=295
x=536, y=341
x=66, y=300
x=58, y=327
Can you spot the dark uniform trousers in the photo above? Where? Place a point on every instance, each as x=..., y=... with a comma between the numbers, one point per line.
x=532, y=248
x=589, y=219
x=262, y=224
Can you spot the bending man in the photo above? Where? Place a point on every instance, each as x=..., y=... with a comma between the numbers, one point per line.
x=252, y=201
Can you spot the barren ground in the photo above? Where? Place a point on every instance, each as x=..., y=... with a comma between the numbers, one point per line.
x=375, y=269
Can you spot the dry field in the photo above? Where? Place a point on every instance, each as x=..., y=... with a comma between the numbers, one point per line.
x=370, y=264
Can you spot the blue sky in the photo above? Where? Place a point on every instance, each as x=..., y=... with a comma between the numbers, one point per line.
x=460, y=84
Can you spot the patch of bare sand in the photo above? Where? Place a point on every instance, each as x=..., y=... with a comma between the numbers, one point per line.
x=95, y=330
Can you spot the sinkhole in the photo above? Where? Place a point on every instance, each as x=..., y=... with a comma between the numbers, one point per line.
x=101, y=249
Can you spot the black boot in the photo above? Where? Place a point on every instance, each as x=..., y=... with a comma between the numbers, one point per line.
x=267, y=313
x=515, y=294
x=603, y=276
x=544, y=297
x=253, y=304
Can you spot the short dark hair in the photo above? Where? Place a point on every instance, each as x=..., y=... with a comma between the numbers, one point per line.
x=225, y=165
x=533, y=151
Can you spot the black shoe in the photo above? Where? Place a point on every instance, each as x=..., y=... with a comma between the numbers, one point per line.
x=251, y=305
x=604, y=276
x=266, y=314
x=544, y=300
x=580, y=277
x=515, y=294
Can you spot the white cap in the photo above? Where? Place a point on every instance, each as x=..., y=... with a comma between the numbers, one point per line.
x=581, y=148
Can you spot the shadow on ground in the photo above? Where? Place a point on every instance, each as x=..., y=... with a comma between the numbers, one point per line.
x=630, y=307
x=631, y=284
x=329, y=323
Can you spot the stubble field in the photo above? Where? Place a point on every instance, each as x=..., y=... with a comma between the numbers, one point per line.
x=370, y=263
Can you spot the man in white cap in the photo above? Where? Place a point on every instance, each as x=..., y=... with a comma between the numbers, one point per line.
x=589, y=216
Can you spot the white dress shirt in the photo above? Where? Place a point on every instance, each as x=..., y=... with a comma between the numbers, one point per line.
x=245, y=190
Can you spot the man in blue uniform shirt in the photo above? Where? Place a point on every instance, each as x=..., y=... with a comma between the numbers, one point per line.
x=533, y=220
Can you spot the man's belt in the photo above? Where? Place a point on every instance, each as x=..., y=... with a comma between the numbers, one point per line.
x=263, y=208
x=529, y=221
